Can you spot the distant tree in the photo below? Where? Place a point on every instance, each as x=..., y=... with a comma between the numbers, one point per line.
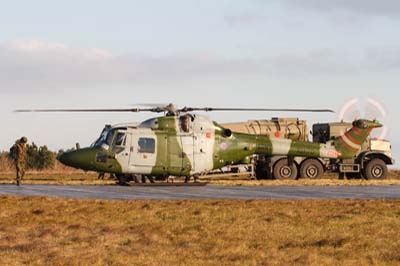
x=47, y=159
x=32, y=156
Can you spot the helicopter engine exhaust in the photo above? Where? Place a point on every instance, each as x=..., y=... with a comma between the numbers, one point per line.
x=227, y=133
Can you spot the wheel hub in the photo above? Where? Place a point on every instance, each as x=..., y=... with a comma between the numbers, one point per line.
x=312, y=172
x=377, y=171
x=286, y=172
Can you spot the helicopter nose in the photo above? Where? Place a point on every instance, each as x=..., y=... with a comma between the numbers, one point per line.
x=66, y=158
x=82, y=159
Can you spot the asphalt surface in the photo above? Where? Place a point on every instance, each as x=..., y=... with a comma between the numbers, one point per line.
x=204, y=192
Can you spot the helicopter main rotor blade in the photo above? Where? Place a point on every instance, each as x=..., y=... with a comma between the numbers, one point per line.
x=171, y=109
x=211, y=109
x=134, y=110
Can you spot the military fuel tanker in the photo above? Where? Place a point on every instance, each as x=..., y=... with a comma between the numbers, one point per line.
x=370, y=159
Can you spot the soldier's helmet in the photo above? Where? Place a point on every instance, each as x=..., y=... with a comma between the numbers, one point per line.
x=24, y=140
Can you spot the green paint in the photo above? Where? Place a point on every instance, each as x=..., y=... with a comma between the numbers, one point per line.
x=305, y=149
x=171, y=160
x=92, y=159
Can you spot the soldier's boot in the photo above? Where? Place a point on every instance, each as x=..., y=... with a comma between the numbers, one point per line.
x=187, y=179
x=143, y=179
x=18, y=183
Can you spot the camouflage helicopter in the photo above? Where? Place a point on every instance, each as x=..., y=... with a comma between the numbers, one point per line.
x=182, y=143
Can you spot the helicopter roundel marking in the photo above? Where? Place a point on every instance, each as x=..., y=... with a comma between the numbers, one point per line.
x=278, y=134
x=208, y=135
x=224, y=146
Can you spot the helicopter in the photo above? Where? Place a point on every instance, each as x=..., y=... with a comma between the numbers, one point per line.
x=184, y=144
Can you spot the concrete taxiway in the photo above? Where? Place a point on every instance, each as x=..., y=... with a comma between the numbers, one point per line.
x=203, y=192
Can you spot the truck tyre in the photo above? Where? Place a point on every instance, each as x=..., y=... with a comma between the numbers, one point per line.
x=312, y=169
x=282, y=170
x=376, y=169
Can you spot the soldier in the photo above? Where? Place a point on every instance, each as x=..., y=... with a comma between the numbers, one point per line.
x=18, y=152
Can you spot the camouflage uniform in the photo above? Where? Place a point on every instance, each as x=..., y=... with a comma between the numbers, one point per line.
x=20, y=154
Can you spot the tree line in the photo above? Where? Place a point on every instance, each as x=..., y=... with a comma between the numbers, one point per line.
x=38, y=158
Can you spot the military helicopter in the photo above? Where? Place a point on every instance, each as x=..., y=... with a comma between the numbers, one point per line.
x=182, y=143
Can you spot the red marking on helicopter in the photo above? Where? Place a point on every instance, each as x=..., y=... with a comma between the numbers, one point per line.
x=350, y=145
x=356, y=131
x=208, y=135
x=352, y=139
x=334, y=154
x=278, y=134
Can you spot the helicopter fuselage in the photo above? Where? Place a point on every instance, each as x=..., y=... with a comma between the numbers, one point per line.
x=190, y=145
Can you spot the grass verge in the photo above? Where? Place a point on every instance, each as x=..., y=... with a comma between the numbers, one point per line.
x=81, y=178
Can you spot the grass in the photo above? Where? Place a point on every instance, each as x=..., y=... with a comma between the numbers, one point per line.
x=74, y=177
x=46, y=231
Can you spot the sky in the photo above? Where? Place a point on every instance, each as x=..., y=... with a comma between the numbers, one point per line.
x=255, y=53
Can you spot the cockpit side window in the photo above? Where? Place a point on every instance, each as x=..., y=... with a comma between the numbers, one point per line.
x=112, y=137
x=119, y=142
x=109, y=138
x=147, y=145
x=120, y=139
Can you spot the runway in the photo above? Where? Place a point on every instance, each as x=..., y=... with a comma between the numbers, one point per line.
x=203, y=192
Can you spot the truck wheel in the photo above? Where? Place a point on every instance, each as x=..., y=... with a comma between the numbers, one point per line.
x=376, y=169
x=282, y=170
x=312, y=169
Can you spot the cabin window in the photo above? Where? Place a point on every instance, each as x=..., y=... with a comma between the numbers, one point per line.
x=147, y=145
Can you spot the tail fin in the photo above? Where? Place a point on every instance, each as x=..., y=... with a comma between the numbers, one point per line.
x=350, y=143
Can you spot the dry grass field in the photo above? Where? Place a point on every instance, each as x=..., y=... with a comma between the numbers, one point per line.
x=43, y=231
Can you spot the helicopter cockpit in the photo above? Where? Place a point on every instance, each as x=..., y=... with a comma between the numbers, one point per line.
x=113, y=137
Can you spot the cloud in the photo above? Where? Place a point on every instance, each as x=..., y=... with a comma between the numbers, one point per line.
x=35, y=64
x=369, y=7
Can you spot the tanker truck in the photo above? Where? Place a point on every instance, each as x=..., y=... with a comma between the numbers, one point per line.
x=370, y=162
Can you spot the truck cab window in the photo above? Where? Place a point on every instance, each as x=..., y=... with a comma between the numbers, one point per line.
x=147, y=145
